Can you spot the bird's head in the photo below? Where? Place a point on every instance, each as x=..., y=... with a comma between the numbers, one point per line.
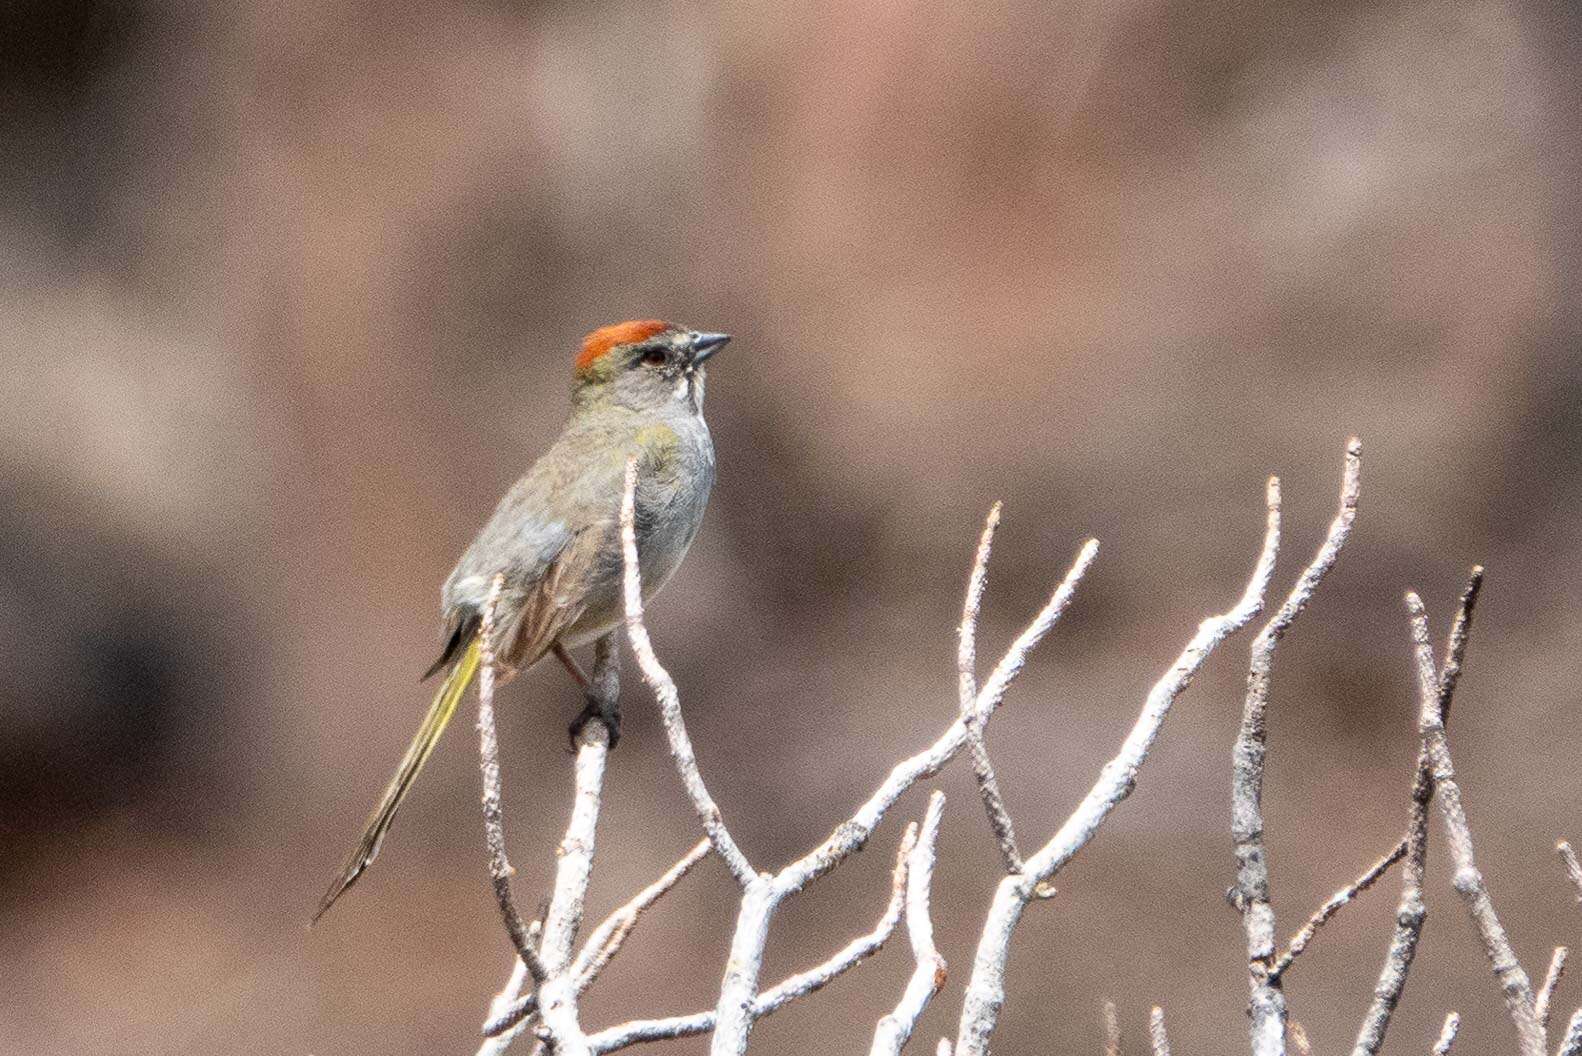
x=647, y=363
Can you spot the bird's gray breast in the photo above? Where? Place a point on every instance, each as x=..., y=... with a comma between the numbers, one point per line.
x=673, y=489
x=675, y=478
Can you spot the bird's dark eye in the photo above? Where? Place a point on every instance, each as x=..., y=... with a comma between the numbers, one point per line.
x=654, y=357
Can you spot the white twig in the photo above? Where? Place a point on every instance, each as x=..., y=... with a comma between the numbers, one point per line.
x=895, y=1029
x=777, y=997
x=1571, y=1044
x=1112, y=1030
x=608, y=938
x=557, y=996
x=986, y=988
x=852, y=834
x=1266, y=1007
x=1447, y=1036
x=967, y=675
x=1546, y=993
x=1573, y=867
x=1157, y=1038
x=1304, y=1047
x=1411, y=912
x=1334, y=904
x=856, y=951
x=664, y=688
x=510, y=1006
x=500, y=871
x=1468, y=881
x=762, y=894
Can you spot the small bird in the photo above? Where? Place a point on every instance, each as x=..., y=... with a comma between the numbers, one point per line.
x=555, y=536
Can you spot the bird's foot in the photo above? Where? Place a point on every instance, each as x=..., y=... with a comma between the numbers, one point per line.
x=596, y=710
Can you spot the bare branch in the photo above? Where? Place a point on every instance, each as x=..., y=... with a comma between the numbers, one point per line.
x=1546, y=993
x=762, y=895
x=772, y=1000
x=500, y=871
x=943, y=1048
x=1157, y=1038
x=639, y=1031
x=608, y=938
x=986, y=988
x=1304, y=1047
x=966, y=666
x=664, y=689
x=1251, y=894
x=508, y=1009
x=1411, y=912
x=1573, y=867
x=1571, y=1044
x=1468, y=881
x=1456, y=643
x=1447, y=1036
x=855, y=952
x=895, y=1029
x=1333, y=905
x=852, y=834
x=1112, y=1030
x=557, y=996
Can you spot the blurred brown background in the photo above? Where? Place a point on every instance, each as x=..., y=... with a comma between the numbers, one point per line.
x=290, y=291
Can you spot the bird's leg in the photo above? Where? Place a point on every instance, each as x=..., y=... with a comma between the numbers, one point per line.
x=602, y=691
x=573, y=668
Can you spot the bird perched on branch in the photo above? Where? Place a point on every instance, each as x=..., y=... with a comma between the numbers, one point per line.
x=555, y=536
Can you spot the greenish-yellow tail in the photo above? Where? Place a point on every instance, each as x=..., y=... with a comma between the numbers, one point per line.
x=439, y=715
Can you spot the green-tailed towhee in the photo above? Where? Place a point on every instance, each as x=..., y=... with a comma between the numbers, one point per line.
x=555, y=536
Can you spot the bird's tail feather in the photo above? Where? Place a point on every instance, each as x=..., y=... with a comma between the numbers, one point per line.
x=439, y=715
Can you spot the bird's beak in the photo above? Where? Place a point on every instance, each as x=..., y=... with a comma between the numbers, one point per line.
x=705, y=345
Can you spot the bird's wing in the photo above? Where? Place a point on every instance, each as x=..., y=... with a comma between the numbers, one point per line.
x=549, y=604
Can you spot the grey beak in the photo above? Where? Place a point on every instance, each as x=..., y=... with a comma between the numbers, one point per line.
x=705, y=345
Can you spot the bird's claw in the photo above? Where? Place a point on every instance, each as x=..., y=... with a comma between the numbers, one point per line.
x=596, y=710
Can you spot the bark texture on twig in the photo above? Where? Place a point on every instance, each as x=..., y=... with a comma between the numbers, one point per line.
x=500, y=871
x=1334, y=904
x=1112, y=1031
x=608, y=938
x=664, y=688
x=854, y=952
x=928, y=977
x=1571, y=1044
x=1411, y=912
x=1546, y=992
x=967, y=678
x=555, y=1004
x=1436, y=690
x=1573, y=867
x=985, y=994
x=762, y=893
x=1266, y=1006
x=1158, y=1040
x=796, y=986
x=1447, y=1035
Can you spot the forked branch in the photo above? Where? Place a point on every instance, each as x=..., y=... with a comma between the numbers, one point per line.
x=1266, y=1007
x=986, y=988
x=1436, y=689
